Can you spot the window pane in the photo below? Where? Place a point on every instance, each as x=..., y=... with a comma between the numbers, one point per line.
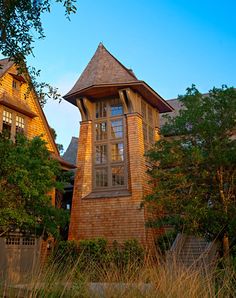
x=7, y=123
x=101, y=131
x=117, y=152
x=20, y=124
x=101, y=177
x=101, y=109
x=116, y=107
x=101, y=154
x=117, y=129
x=7, y=117
x=117, y=176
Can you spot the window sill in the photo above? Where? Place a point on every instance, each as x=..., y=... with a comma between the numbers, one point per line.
x=108, y=194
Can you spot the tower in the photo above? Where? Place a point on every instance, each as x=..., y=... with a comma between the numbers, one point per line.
x=120, y=120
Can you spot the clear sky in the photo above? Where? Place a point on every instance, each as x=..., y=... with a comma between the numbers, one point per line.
x=170, y=44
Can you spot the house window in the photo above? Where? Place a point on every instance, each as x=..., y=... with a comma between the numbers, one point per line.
x=109, y=145
x=20, y=124
x=101, y=109
x=117, y=129
x=116, y=107
x=148, y=125
x=118, y=178
x=101, y=131
x=14, y=84
x=101, y=177
x=7, y=123
x=117, y=152
x=12, y=123
x=16, y=88
x=101, y=154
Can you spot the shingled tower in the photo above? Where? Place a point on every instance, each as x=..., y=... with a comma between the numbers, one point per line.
x=120, y=120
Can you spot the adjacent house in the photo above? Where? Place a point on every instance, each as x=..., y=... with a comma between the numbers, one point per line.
x=20, y=112
x=120, y=120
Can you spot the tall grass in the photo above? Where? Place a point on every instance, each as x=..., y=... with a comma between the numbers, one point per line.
x=67, y=277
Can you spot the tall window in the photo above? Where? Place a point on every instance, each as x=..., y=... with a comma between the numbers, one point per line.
x=15, y=88
x=109, y=152
x=148, y=125
x=7, y=123
x=20, y=124
x=12, y=123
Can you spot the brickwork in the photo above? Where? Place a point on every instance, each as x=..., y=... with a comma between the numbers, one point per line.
x=83, y=178
x=114, y=218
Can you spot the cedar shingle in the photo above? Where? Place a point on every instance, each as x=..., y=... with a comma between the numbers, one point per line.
x=103, y=68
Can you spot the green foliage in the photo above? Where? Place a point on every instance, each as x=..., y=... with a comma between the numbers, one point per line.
x=27, y=175
x=165, y=241
x=96, y=254
x=54, y=135
x=20, y=26
x=193, y=172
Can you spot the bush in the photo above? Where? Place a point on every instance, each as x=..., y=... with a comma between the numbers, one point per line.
x=165, y=241
x=95, y=253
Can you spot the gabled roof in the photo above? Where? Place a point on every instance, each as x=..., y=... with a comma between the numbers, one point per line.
x=70, y=154
x=177, y=105
x=105, y=75
x=5, y=64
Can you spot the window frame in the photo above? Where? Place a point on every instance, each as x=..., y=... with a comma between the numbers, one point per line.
x=148, y=125
x=14, y=114
x=109, y=141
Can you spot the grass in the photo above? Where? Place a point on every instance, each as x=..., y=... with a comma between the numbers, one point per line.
x=68, y=278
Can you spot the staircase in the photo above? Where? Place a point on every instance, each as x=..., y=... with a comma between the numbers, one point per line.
x=192, y=251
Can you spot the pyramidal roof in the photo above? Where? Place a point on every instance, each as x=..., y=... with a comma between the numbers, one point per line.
x=105, y=76
x=103, y=68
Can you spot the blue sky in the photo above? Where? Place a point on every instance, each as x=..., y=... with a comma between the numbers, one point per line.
x=170, y=44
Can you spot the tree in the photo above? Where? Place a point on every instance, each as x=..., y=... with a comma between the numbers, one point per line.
x=27, y=175
x=20, y=25
x=194, y=167
x=54, y=134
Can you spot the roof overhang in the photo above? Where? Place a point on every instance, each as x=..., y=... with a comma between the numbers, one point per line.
x=19, y=78
x=17, y=106
x=96, y=92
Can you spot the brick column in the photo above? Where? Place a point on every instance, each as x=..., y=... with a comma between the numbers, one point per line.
x=83, y=178
x=136, y=164
x=136, y=158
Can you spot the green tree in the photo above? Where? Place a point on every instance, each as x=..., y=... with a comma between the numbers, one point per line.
x=194, y=167
x=20, y=26
x=54, y=134
x=27, y=175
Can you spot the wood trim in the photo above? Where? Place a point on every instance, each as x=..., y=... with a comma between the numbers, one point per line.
x=15, y=106
x=109, y=141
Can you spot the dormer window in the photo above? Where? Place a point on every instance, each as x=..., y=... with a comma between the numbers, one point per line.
x=16, y=88
x=14, y=84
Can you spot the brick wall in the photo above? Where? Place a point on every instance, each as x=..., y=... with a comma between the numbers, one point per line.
x=113, y=218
